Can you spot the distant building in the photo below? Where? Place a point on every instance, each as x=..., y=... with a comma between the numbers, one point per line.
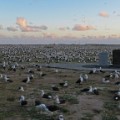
x=116, y=57
x=103, y=59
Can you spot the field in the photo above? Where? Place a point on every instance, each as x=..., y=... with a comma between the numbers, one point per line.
x=79, y=105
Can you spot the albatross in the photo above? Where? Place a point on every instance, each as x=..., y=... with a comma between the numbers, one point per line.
x=45, y=108
x=45, y=95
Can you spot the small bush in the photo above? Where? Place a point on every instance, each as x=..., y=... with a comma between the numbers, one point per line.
x=111, y=105
x=71, y=99
x=64, y=110
x=109, y=117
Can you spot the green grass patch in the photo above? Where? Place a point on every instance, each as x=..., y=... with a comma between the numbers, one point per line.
x=87, y=116
x=111, y=105
x=71, y=99
x=109, y=117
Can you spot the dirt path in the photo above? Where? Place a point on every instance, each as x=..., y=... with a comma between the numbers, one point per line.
x=89, y=106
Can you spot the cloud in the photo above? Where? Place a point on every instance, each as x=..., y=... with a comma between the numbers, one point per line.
x=2, y=36
x=21, y=22
x=49, y=35
x=64, y=28
x=12, y=29
x=103, y=14
x=69, y=36
x=1, y=27
x=43, y=27
x=79, y=27
x=24, y=27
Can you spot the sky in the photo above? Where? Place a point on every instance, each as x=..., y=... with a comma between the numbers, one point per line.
x=59, y=21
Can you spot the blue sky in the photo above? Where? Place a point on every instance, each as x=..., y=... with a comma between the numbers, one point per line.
x=59, y=21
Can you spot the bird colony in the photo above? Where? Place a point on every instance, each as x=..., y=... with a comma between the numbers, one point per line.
x=30, y=91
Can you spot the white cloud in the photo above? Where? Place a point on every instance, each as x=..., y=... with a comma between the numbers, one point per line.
x=24, y=27
x=12, y=29
x=103, y=14
x=79, y=27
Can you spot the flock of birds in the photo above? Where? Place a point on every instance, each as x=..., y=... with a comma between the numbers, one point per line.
x=38, y=104
x=54, y=53
x=106, y=79
x=57, y=100
x=51, y=54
